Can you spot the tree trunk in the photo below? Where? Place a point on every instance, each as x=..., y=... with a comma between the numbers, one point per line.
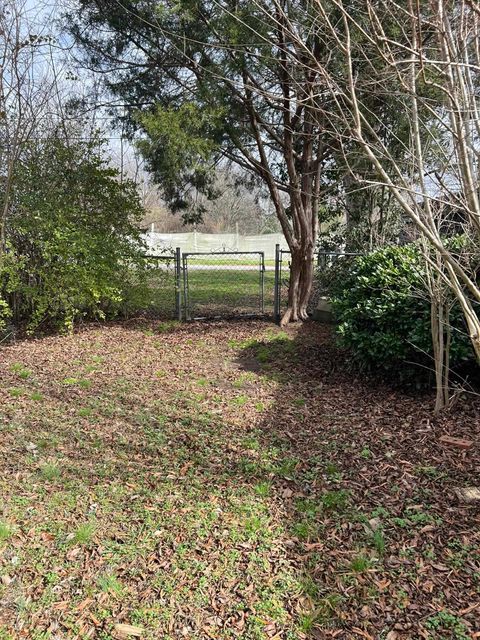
x=441, y=353
x=301, y=283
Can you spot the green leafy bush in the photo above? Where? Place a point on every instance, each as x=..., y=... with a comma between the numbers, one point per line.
x=72, y=234
x=383, y=313
x=5, y=314
x=10, y=267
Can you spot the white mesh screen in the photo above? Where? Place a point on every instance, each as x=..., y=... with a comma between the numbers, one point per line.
x=207, y=242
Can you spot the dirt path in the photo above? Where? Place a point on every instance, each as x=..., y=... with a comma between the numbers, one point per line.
x=227, y=480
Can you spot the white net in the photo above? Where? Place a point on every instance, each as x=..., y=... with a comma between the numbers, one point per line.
x=212, y=242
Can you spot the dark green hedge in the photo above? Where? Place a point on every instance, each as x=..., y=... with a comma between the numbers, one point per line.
x=383, y=314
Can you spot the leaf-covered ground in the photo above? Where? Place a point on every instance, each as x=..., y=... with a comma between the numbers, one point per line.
x=227, y=480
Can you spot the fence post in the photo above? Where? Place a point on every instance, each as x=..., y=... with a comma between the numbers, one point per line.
x=322, y=259
x=178, y=286
x=262, y=282
x=186, y=301
x=276, y=290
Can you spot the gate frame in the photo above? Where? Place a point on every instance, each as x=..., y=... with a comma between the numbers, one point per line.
x=186, y=293
x=178, y=283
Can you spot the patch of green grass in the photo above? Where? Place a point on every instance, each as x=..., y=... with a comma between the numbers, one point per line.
x=306, y=622
x=16, y=392
x=108, y=583
x=309, y=586
x=332, y=470
x=413, y=518
x=263, y=489
x=49, y=442
x=85, y=412
x=287, y=467
x=378, y=541
x=84, y=534
x=70, y=381
x=429, y=553
x=243, y=380
x=155, y=435
x=251, y=442
x=458, y=553
x=335, y=500
x=429, y=472
x=20, y=370
x=37, y=396
x=308, y=507
x=17, y=367
x=240, y=400
x=264, y=354
x=167, y=326
x=5, y=532
x=305, y=529
x=50, y=471
x=277, y=348
x=365, y=453
x=242, y=344
x=359, y=564
x=299, y=402
x=328, y=605
x=253, y=525
x=446, y=622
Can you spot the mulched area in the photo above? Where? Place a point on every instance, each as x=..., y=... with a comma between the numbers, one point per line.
x=225, y=480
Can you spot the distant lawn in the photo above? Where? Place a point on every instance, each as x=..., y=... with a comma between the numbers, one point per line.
x=219, y=291
x=215, y=291
x=240, y=260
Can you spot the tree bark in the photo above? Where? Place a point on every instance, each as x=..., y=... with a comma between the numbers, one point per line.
x=441, y=353
x=301, y=276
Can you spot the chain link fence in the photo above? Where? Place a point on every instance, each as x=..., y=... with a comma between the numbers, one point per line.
x=226, y=284
x=154, y=287
x=223, y=284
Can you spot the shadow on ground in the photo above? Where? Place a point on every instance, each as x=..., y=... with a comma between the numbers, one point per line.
x=383, y=546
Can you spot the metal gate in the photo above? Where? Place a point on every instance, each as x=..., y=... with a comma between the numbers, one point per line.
x=223, y=284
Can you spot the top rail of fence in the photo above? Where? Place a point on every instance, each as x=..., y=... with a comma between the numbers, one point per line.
x=328, y=253
x=222, y=253
x=151, y=256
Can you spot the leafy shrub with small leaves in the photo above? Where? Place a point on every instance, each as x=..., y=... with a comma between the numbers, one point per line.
x=5, y=314
x=10, y=267
x=72, y=235
x=383, y=313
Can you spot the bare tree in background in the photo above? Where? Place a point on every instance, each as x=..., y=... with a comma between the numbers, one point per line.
x=25, y=92
x=426, y=58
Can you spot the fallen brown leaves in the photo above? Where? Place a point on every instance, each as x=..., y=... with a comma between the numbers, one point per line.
x=229, y=480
